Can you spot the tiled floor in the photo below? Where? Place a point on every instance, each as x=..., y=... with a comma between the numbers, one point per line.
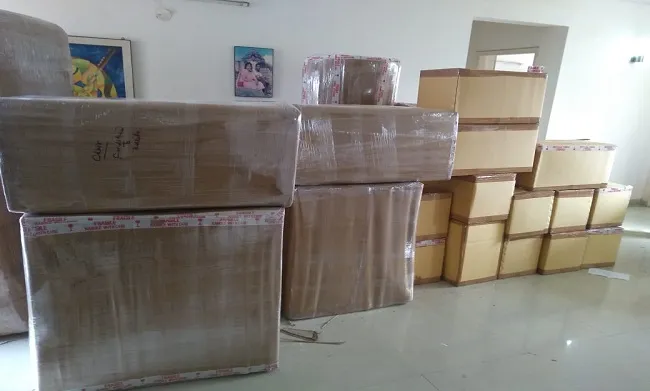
x=564, y=332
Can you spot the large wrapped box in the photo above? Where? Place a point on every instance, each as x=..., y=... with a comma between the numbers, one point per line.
x=609, y=206
x=602, y=247
x=562, y=252
x=429, y=259
x=433, y=215
x=344, y=79
x=13, y=297
x=472, y=253
x=81, y=155
x=349, y=248
x=34, y=57
x=569, y=164
x=371, y=144
x=480, y=199
x=488, y=149
x=519, y=257
x=120, y=301
x=484, y=97
x=571, y=210
x=530, y=213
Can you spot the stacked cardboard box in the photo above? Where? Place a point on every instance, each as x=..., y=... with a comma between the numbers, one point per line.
x=498, y=124
x=431, y=233
x=34, y=60
x=351, y=232
x=191, y=294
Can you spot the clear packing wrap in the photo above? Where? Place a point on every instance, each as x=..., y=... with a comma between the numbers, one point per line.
x=88, y=156
x=121, y=301
x=345, y=79
x=344, y=144
x=13, y=297
x=349, y=248
x=34, y=57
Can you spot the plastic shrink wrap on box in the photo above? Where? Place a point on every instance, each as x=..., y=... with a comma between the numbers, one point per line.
x=349, y=248
x=345, y=79
x=119, y=301
x=13, y=297
x=80, y=156
x=34, y=57
x=346, y=144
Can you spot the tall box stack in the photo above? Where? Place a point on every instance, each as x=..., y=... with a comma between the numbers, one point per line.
x=431, y=231
x=356, y=167
x=168, y=285
x=34, y=60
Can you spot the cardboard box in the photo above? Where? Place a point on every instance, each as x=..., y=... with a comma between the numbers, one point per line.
x=489, y=149
x=81, y=155
x=349, y=248
x=609, y=206
x=121, y=301
x=562, y=252
x=429, y=258
x=482, y=97
x=34, y=57
x=344, y=79
x=530, y=213
x=569, y=164
x=480, y=199
x=519, y=257
x=472, y=253
x=374, y=144
x=571, y=210
x=602, y=247
x=13, y=296
x=433, y=215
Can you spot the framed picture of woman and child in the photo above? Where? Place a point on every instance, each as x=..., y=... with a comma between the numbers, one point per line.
x=253, y=72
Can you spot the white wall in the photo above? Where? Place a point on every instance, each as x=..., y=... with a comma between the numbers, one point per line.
x=550, y=41
x=190, y=57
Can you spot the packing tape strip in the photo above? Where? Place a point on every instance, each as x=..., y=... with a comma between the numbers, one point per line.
x=571, y=147
x=606, y=231
x=430, y=242
x=616, y=189
x=45, y=226
x=178, y=377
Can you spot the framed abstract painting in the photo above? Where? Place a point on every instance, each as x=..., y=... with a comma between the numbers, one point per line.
x=253, y=72
x=101, y=68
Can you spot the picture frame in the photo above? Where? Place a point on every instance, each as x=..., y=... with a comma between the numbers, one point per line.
x=102, y=67
x=253, y=72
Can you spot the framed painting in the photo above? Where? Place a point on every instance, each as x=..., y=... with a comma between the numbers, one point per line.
x=101, y=68
x=253, y=72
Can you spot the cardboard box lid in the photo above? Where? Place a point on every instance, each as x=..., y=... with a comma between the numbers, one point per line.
x=464, y=72
x=574, y=193
x=574, y=145
x=488, y=178
x=522, y=194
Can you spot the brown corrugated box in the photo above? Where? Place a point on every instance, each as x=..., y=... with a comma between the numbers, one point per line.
x=83, y=155
x=34, y=57
x=569, y=164
x=374, y=144
x=488, y=149
x=429, y=259
x=345, y=79
x=530, y=213
x=480, y=199
x=562, y=252
x=472, y=252
x=349, y=248
x=609, y=206
x=119, y=301
x=602, y=247
x=13, y=297
x=484, y=96
x=519, y=257
x=571, y=210
x=433, y=215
